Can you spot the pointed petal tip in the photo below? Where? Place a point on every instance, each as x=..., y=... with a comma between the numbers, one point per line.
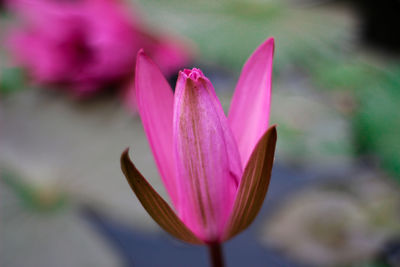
x=141, y=52
x=268, y=44
x=125, y=156
x=250, y=105
x=126, y=152
x=155, y=102
x=141, y=55
x=271, y=40
x=273, y=130
x=125, y=159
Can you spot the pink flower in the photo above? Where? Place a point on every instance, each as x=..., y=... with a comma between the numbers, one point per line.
x=216, y=169
x=86, y=45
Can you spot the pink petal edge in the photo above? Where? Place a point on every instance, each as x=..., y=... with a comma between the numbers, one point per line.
x=250, y=106
x=155, y=104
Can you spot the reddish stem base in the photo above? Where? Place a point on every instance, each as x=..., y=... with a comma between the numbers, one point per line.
x=216, y=257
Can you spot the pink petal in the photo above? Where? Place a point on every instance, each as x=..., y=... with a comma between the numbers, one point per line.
x=155, y=104
x=249, y=111
x=207, y=159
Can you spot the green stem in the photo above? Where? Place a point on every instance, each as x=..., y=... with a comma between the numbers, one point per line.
x=216, y=257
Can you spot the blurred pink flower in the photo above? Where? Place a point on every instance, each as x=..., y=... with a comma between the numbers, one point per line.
x=86, y=45
x=215, y=168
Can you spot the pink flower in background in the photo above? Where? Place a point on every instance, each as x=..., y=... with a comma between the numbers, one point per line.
x=86, y=45
x=216, y=169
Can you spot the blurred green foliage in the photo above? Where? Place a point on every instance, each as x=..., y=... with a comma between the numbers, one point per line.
x=227, y=31
x=375, y=87
x=11, y=80
x=31, y=197
x=377, y=120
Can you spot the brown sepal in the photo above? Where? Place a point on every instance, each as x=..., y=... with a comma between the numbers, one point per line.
x=254, y=185
x=154, y=204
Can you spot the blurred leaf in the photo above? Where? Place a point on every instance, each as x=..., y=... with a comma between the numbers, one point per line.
x=377, y=121
x=32, y=197
x=11, y=80
x=343, y=75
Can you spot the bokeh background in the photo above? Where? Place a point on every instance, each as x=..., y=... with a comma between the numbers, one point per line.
x=67, y=112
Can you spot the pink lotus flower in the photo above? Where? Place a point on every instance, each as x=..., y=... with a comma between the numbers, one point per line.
x=216, y=169
x=86, y=45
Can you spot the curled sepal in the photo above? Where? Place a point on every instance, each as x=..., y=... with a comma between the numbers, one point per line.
x=153, y=203
x=254, y=185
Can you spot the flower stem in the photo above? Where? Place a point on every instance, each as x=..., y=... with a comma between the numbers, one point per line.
x=216, y=257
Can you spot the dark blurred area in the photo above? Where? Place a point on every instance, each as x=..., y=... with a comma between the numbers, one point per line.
x=379, y=23
x=68, y=109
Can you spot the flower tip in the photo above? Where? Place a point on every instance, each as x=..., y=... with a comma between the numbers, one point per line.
x=125, y=153
x=193, y=74
x=271, y=39
x=272, y=128
x=270, y=42
x=141, y=52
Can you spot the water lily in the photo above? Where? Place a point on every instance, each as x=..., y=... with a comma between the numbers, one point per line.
x=86, y=45
x=216, y=169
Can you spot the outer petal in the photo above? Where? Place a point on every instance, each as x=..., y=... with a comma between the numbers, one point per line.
x=208, y=162
x=253, y=186
x=249, y=111
x=155, y=104
x=154, y=204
